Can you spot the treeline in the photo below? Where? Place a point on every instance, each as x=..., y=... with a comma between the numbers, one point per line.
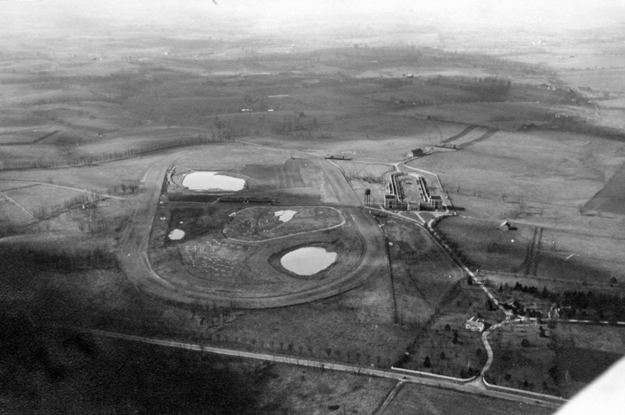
x=489, y=88
x=43, y=163
x=604, y=306
x=578, y=304
x=292, y=123
x=454, y=250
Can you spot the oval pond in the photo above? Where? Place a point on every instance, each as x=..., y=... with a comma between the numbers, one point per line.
x=308, y=261
x=212, y=180
x=176, y=234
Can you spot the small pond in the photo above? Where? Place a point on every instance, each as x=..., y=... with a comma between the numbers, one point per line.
x=285, y=215
x=176, y=235
x=308, y=261
x=212, y=180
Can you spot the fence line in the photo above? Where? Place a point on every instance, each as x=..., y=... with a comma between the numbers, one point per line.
x=434, y=375
x=550, y=398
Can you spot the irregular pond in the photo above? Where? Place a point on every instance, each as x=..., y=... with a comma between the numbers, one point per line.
x=285, y=215
x=212, y=180
x=308, y=261
x=176, y=235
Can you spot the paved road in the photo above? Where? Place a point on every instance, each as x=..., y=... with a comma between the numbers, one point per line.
x=361, y=370
x=134, y=260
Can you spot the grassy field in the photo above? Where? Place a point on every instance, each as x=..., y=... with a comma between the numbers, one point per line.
x=524, y=366
x=610, y=199
x=492, y=247
x=547, y=167
x=132, y=99
x=357, y=326
x=422, y=273
x=568, y=357
x=290, y=389
x=450, y=348
x=430, y=401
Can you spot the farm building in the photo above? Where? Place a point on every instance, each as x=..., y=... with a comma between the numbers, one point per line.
x=474, y=324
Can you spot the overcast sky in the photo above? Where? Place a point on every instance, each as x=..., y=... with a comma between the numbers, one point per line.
x=88, y=16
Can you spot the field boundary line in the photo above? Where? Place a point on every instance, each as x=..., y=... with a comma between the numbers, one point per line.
x=437, y=376
x=523, y=392
x=318, y=364
x=107, y=196
x=389, y=398
x=18, y=205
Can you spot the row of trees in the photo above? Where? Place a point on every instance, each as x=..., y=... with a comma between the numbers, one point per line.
x=290, y=348
x=42, y=163
x=291, y=123
x=455, y=251
x=489, y=88
x=579, y=304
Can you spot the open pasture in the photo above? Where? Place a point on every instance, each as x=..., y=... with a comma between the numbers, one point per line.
x=422, y=272
x=377, y=147
x=609, y=80
x=610, y=199
x=603, y=247
x=608, y=339
x=581, y=268
x=292, y=174
x=36, y=198
x=435, y=401
x=31, y=155
x=12, y=214
x=15, y=96
x=550, y=167
x=27, y=135
x=492, y=247
x=182, y=109
x=389, y=127
x=504, y=115
x=523, y=359
x=302, y=390
x=92, y=116
x=227, y=157
x=354, y=326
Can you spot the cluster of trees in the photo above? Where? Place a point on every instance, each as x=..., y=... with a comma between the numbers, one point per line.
x=291, y=348
x=45, y=212
x=603, y=306
x=530, y=289
x=123, y=188
x=223, y=130
x=489, y=88
x=579, y=304
x=455, y=252
x=291, y=123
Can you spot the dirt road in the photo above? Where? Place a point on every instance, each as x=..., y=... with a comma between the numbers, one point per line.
x=134, y=260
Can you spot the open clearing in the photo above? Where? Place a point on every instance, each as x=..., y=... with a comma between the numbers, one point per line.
x=125, y=245
x=434, y=401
